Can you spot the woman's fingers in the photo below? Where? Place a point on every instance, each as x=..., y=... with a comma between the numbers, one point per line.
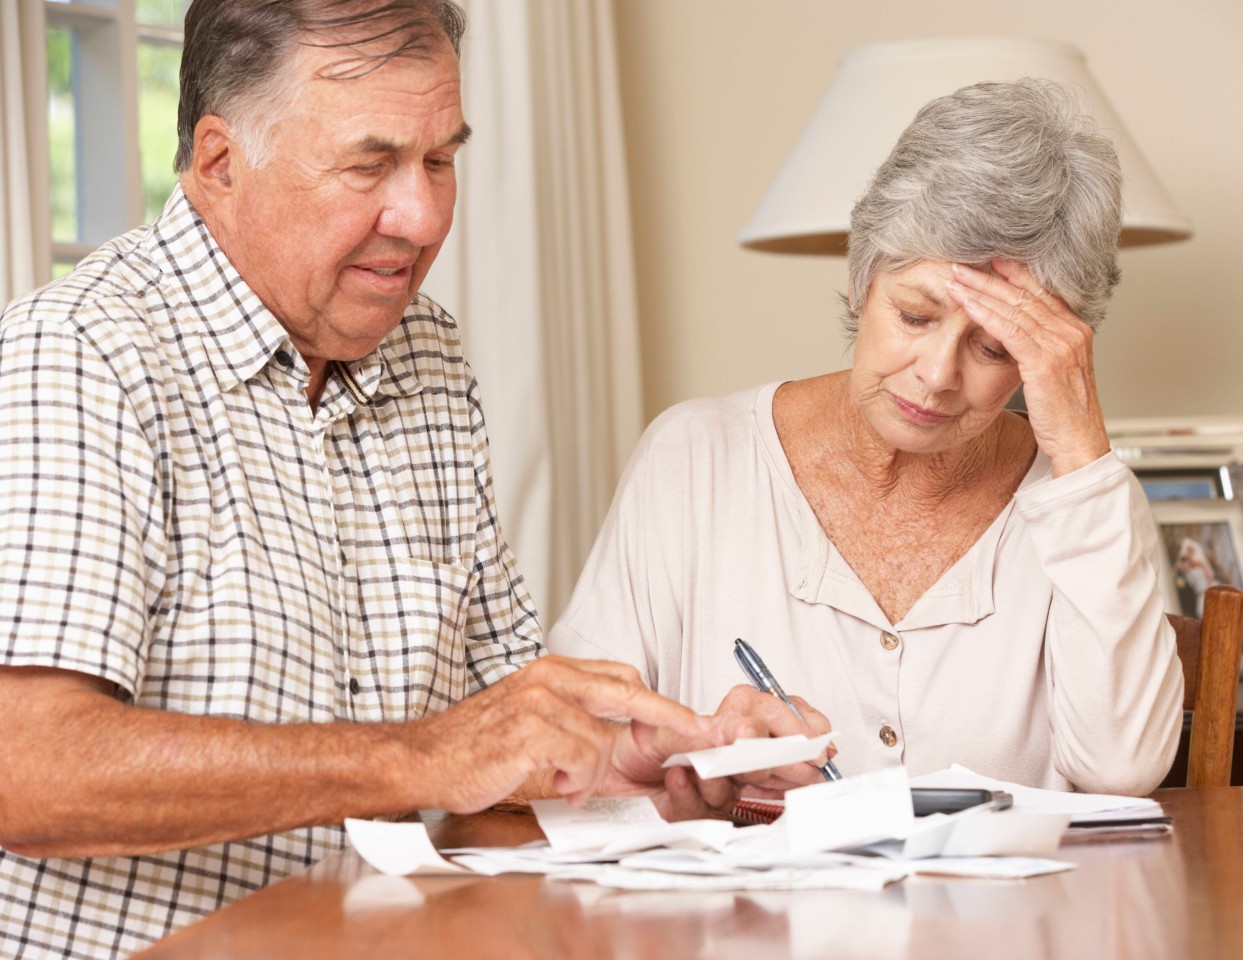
x=1024, y=308
x=1012, y=283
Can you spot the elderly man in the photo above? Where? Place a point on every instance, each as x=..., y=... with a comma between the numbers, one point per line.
x=250, y=557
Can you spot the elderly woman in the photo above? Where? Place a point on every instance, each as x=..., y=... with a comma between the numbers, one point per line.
x=946, y=580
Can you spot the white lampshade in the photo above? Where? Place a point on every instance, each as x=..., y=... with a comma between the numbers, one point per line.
x=875, y=94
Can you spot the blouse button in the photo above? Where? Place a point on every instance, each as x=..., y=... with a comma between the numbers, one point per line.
x=887, y=736
x=888, y=641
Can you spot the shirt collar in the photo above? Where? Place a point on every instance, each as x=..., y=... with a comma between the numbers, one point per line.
x=963, y=594
x=386, y=371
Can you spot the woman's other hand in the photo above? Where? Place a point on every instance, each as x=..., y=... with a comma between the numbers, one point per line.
x=1053, y=351
x=751, y=713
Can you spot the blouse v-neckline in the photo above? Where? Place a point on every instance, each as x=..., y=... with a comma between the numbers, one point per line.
x=962, y=594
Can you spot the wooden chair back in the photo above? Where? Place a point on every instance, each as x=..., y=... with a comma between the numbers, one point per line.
x=1209, y=649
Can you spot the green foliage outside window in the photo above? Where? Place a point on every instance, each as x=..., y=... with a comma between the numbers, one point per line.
x=166, y=13
x=62, y=134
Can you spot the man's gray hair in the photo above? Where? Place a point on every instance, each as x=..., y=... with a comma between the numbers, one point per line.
x=1012, y=170
x=237, y=54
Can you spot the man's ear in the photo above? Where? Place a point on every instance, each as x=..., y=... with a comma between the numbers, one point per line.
x=215, y=153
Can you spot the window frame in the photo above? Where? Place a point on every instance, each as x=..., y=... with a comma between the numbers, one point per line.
x=106, y=96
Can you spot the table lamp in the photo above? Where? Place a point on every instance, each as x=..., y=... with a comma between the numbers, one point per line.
x=877, y=91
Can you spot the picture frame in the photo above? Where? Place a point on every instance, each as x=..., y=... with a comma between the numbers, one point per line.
x=1190, y=483
x=1201, y=543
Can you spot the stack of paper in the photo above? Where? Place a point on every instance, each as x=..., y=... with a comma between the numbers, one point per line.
x=858, y=833
x=1091, y=814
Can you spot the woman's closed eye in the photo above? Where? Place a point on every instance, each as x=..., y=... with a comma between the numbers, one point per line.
x=993, y=351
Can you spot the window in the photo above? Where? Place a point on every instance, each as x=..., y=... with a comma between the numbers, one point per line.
x=111, y=71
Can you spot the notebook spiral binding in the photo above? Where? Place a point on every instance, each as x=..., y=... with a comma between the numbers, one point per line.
x=756, y=811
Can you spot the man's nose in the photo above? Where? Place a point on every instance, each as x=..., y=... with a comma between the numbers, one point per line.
x=418, y=208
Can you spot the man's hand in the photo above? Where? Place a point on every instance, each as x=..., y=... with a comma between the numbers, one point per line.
x=554, y=715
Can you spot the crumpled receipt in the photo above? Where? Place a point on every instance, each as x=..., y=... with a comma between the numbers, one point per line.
x=398, y=849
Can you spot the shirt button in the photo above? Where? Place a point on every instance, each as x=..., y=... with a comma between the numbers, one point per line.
x=888, y=641
x=283, y=358
x=887, y=736
x=355, y=686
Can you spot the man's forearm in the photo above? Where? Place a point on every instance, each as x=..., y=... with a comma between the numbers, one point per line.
x=87, y=775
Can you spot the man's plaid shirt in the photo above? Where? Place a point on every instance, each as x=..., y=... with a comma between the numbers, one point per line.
x=175, y=518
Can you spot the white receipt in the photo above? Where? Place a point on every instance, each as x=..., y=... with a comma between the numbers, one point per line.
x=597, y=823
x=1009, y=833
x=610, y=826
x=397, y=849
x=839, y=814
x=752, y=753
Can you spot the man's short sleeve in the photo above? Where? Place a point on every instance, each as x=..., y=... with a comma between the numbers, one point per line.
x=503, y=631
x=80, y=537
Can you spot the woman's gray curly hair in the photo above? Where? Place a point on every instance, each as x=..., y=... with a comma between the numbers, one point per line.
x=1011, y=170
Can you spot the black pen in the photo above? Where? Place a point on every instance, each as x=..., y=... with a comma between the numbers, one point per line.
x=762, y=679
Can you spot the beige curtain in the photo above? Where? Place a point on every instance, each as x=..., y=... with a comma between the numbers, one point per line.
x=539, y=272
x=17, y=259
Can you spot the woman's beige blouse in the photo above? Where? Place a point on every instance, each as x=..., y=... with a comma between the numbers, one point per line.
x=1042, y=657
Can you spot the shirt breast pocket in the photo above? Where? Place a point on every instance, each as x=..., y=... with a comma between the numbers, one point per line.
x=413, y=624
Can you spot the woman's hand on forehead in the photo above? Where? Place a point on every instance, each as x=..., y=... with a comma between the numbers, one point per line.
x=1053, y=350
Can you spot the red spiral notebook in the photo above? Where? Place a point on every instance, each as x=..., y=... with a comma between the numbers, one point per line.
x=748, y=811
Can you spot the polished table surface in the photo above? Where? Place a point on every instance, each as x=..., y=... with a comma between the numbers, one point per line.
x=1174, y=897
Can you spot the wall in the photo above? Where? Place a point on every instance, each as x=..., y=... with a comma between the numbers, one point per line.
x=716, y=91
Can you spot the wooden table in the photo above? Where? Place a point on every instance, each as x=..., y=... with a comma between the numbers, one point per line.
x=1166, y=899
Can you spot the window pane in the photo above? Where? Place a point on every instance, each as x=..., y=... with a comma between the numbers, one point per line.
x=62, y=135
x=157, y=123
x=163, y=13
